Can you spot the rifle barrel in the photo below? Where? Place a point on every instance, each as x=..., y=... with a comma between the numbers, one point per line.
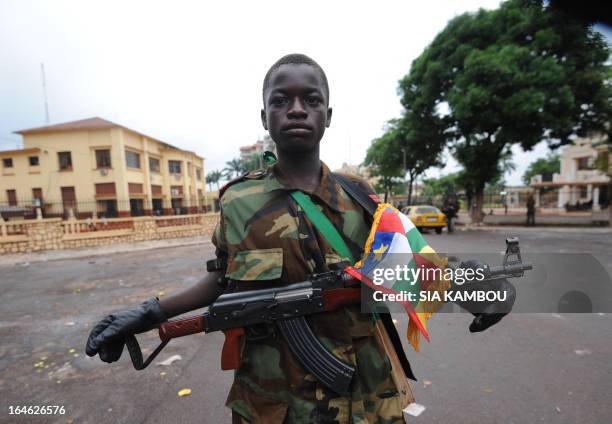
x=510, y=270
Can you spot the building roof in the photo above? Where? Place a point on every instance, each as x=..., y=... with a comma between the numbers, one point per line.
x=83, y=124
x=19, y=151
x=93, y=124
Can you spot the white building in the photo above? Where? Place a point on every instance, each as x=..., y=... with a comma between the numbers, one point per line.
x=579, y=186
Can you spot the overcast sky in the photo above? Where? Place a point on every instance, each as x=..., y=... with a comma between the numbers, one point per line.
x=190, y=72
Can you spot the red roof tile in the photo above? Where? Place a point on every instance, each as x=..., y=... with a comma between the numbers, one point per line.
x=83, y=124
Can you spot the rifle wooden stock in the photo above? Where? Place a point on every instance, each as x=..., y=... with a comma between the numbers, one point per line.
x=338, y=298
x=181, y=327
x=230, y=355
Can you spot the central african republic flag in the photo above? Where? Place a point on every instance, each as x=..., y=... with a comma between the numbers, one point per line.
x=395, y=241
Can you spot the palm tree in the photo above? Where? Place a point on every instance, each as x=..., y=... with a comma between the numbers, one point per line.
x=233, y=168
x=214, y=177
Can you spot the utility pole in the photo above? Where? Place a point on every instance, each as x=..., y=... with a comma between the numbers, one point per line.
x=404, y=162
x=44, y=84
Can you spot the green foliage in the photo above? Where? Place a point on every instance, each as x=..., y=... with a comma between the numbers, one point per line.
x=384, y=157
x=252, y=163
x=387, y=160
x=433, y=187
x=214, y=177
x=233, y=169
x=602, y=162
x=515, y=75
x=548, y=165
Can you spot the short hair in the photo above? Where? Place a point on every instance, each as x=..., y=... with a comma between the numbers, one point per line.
x=295, y=59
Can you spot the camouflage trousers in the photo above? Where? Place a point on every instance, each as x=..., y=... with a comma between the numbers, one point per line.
x=272, y=387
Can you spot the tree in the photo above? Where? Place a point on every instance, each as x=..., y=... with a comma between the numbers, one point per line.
x=548, y=165
x=233, y=169
x=433, y=187
x=252, y=163
x=515, y=75
x=403, y=149
x=214, y=177
x=385, y=161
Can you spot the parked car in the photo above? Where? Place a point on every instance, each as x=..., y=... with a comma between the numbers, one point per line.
x=426, y=216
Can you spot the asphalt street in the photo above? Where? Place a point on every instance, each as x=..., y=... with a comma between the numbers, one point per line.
x=530, y=368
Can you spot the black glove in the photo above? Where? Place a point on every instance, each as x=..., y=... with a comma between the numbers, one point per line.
x=486, y=314
x=108, y=336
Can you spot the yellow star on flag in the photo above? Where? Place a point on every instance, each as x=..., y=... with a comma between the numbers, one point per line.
x=379, y=252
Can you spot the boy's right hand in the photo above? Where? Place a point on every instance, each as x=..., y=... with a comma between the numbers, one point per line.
x=108, y=336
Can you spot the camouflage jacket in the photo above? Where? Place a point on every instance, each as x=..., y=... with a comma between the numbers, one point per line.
x=267, y=240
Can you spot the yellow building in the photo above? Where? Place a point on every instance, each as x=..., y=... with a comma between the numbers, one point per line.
x=97, y=167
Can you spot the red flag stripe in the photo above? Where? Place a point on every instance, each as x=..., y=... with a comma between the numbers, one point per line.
x=390, y=223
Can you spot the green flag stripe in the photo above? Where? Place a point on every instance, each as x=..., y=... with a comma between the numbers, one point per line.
x=416, y=240
x=406, y=286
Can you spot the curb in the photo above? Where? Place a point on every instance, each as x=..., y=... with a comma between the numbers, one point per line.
x=25, y=259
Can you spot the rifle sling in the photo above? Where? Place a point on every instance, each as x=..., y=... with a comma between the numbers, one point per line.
x=323, y=224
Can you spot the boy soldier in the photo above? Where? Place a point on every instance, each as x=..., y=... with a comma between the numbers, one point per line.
x=264, y=239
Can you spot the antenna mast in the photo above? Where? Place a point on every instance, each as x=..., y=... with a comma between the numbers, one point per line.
x=44, y=84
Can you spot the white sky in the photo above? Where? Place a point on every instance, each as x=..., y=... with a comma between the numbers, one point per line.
x=190, y=72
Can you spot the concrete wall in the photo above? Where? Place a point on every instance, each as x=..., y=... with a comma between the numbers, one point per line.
x=55, y=233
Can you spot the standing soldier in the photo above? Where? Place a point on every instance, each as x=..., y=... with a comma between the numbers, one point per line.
x=450, y=208
x=530, y=210
x=264, y=239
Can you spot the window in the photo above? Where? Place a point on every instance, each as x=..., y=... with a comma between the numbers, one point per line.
x=105, y=189
x=7, y=162
x=12, y=197
x=37, y=196
x=158, y=206
x=584, y=192
x=107, y=208
x=132, y=159
x=136, y=207
x=65, y=161
x=69, y=201
x=198, y=174
x=154, y=164
x=176, y=191
x=427, y=210
x=33, y=160
x=174, y=166
x=156, y=190
x=135, y=188
x=583, y=163
x=103, y=159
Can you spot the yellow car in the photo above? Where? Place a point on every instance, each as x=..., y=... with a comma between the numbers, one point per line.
x=425, y=216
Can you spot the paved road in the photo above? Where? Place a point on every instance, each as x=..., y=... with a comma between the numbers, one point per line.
x=529, y=368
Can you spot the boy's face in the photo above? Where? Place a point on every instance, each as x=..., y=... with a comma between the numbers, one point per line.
x=296, y=110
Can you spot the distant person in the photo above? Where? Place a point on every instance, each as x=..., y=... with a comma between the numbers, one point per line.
x=450, y=208
x=530, y=211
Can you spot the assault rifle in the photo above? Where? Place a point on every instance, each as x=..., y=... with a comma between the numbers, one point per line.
x=236, y=314
x=287, y=308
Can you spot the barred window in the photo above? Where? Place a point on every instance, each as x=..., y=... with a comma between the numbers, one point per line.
x=103, y=158
x=174, y=166
x=154, y=164
x=65, y=161
x=132, y=159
